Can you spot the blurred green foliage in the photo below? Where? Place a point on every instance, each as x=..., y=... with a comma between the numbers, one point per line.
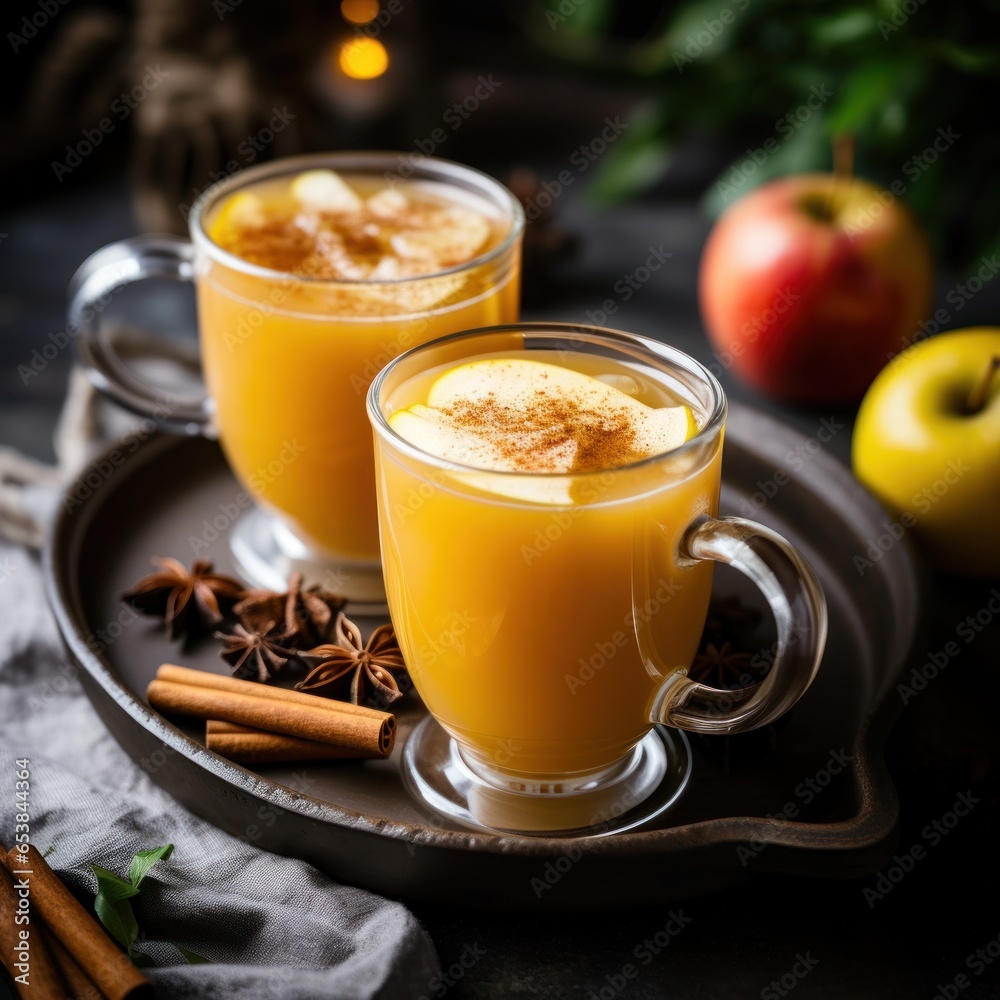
x=783, y=78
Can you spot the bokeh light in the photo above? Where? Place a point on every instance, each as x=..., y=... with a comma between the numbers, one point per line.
x=363, y=58
x=359, y=11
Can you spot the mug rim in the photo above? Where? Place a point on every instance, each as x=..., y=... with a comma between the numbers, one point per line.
x=584, y=333
x=354, y=160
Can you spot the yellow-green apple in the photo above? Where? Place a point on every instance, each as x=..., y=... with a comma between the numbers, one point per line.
x=927, y=444
x=809, y=283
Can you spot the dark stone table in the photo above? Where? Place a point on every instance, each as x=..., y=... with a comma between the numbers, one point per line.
x=773, y=937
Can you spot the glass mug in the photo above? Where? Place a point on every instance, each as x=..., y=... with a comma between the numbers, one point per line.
x=548, y=621
x=288, y=359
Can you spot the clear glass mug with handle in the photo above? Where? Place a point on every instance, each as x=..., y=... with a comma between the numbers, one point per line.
x=288, y=358
x=549, y=621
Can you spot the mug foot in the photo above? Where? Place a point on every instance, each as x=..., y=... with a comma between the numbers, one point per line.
x=267, y=552
x=631, y=793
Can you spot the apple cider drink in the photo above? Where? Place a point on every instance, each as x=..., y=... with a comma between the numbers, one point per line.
x=546, y=501
x=346, y=272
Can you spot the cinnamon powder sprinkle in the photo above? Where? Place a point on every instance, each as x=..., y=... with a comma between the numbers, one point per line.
x=527, y=435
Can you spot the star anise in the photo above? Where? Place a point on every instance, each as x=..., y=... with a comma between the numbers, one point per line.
x=365, y=670
x=300, y=618
x=720, y=666
x=253, y=656
x=730, y=618
x=189, y=600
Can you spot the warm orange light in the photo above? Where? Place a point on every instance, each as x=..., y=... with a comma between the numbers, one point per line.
x=363, y=58
x=359, y=11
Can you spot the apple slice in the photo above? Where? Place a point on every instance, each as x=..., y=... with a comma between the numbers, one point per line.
x=451, y=236
x=516, y=383
x=325, y=191
x=514, y=387
x=428, y=430
x=244, y=210
x=387, y=202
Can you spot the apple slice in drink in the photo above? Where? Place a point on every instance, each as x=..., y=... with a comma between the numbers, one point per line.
x=516, y=386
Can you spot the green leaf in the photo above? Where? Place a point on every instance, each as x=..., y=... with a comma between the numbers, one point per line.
x=966, y=58
x=145, y=860
x=862, y=99
x=192, y=956
x=845, y=26
x=142, y=961
x=636, y=161
x=111, y=887
x=118, y=918
x=805, y=150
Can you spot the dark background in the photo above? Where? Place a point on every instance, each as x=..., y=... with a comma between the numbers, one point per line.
x=545, y=108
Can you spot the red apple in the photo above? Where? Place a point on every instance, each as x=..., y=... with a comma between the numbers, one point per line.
x=809, y=283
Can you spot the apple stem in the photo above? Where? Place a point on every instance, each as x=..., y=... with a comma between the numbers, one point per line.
x=843, y=169
x=977, y=398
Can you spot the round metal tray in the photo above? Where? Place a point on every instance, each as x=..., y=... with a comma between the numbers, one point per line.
x=810, y=796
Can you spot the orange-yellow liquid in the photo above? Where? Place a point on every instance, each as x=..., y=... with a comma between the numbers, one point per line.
x=288, y=360
x=536, y=634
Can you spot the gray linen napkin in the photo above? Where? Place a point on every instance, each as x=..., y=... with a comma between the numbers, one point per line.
x=270, y=926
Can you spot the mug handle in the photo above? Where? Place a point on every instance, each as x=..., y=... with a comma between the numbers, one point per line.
x=795, y=595
x=95, y=281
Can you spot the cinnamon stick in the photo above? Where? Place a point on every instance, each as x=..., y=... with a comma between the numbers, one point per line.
x=78, y=932
x=28, y=959
x=220, y=682
x=80, y=986
x=320, y=719
x=246, y=745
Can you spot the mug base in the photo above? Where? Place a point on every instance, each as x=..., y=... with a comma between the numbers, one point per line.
x=267, y=552
x=629, y=794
